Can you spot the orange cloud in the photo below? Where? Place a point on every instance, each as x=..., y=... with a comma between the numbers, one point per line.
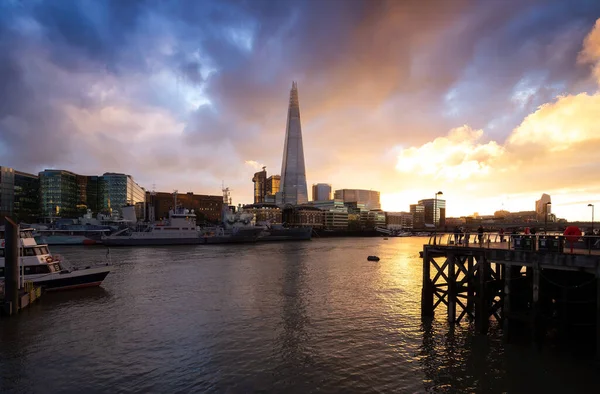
x=554, y=149
x=456, y=156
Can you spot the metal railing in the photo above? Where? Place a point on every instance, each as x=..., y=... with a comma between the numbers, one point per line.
x=552, y=242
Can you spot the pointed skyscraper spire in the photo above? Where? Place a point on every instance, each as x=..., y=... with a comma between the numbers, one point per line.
x=293, y=173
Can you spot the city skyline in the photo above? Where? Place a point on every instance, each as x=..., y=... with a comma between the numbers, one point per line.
x=494, y=104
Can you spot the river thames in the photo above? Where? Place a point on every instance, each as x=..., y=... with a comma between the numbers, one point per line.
x=296, y=317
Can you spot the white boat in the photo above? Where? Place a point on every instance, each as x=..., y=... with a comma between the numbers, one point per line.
x=44, y=269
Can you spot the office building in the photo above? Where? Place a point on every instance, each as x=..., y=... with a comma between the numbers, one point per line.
x=121, y=190
x=264, y=213
x=260, y=186
x=321, y=192
x=58, y=194
x=91, y=194
x=399, y=220
x=303, y=216
x=273, y=183
x=7, y=192
x=370, y=198
x=434, y=211
x=293, y=188
x=26, y=197
x=207, y=208
x=418, y=214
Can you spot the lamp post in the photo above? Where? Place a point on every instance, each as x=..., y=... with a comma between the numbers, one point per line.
x=592, y=205
x=546, y=216
x=435, y=224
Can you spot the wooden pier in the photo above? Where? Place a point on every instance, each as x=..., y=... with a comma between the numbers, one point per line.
x=15, y=293
x=530, y=284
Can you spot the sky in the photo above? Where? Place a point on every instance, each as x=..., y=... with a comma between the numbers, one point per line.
x=491, y=102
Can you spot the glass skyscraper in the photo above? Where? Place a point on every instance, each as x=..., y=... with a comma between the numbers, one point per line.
x=293, y=189
x=121, y=190
x=58, y=193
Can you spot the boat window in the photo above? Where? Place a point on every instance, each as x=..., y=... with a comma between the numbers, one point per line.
x=1, y=252
x=28, y=252
x=1, y=272
x=56, y=267
x=36, y=269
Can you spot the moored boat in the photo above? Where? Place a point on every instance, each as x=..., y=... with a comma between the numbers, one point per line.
x=47, y=270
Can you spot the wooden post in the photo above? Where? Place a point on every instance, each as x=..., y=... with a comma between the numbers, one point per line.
x=451, y=287
x=427, y=289
x=11, y=264
x=471, y=284
x=506, y=302
x=535, y=305
x=481, y=303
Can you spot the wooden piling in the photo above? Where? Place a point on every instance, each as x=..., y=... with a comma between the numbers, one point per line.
x=535, y=304
x=481, y=301
x=11, y=264
x=471, y=285
x=451, y=287
x=427, y=289
x=506, y=302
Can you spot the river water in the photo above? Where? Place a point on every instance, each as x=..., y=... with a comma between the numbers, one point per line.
x=296, y=317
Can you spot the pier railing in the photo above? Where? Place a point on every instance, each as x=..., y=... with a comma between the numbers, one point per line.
x=550, y=242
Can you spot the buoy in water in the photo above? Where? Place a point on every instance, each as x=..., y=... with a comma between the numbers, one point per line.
x=373, y=258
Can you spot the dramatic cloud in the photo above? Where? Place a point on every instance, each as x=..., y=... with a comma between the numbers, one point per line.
x=554, y=149
x=188, y=94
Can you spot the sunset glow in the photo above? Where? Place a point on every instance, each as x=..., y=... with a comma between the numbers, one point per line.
x=493, y=104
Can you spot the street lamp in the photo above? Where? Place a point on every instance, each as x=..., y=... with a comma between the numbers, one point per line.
x=435, y=208
x=546, y=217
x=592, y=205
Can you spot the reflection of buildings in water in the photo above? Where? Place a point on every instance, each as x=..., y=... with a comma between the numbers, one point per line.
x=294, y=337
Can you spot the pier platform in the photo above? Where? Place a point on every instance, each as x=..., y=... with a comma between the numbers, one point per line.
x=540, y=284
x=28, y=294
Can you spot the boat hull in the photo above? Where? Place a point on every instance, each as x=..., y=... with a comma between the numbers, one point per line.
x=287, y=234
x=66, y=240
x=125, y=241
x=77, y=279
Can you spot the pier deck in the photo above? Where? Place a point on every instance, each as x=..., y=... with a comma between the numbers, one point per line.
x=536, y=282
